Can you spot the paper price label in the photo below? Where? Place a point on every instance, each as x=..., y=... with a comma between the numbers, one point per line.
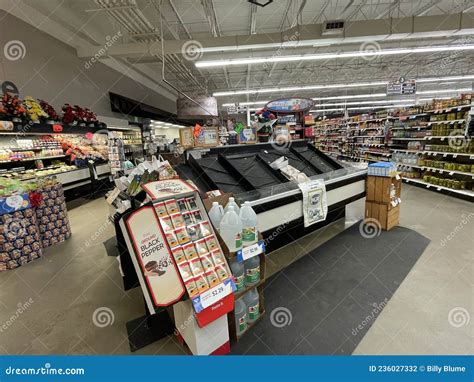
x=442, y=138
x=211, y=296
x=251, y=251
x=451, y=173
x=113, y=195
x=455, y=155
x=445, y=155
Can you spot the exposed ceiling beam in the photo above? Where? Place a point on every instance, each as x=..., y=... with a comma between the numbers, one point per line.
x=310, y=35
x=185, y=28
x=253, y=19
x=426, y=8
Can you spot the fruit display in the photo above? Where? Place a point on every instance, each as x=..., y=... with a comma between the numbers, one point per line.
x=34, y=112
x=80, y=147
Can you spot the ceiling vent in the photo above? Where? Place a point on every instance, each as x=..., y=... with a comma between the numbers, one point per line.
x=333, y=27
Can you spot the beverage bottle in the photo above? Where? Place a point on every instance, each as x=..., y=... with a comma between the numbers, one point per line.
x=238, y=271
x=231, y=230
x=252, y=270
x=232, y=202
x=252, y=301
x=240, y=311
x=215, y=214
x=248, y=218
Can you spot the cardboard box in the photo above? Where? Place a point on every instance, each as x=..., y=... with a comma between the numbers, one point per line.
x=378, y=189
x=231, y=317
x=387, y=216
x=201, y=341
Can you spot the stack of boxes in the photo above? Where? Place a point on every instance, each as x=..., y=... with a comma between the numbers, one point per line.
x=383, y=195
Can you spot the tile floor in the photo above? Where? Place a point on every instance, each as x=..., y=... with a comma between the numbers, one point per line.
x=429, y=314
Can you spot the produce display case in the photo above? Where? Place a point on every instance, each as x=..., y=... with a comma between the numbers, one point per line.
x=245, y=171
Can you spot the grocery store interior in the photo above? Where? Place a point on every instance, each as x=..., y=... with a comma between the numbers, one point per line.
x=215, y=177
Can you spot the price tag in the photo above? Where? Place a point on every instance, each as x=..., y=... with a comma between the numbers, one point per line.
x=445, y=155
x=113, y=195
x=251, y=251
x=211, y=296
x=442, y=138
x=429, y=138
x=471, y=157
x=451, y=173
x=455, y=155
x=397, y=177
x=428, y=186
x=438, y=189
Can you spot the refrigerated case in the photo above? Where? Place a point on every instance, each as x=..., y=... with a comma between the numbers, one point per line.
x=245, y=171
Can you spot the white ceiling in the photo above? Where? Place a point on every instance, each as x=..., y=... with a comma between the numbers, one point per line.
x=214, y=22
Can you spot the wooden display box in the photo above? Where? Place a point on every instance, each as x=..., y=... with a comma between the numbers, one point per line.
x=387, y=215
x=231, y=316
x=378, y=188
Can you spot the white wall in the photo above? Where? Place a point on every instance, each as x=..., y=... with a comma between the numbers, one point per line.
x=51, y=70
x=170, y=133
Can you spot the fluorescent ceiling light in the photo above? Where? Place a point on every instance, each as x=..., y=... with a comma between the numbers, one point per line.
x=328, y=56
x=337, y=86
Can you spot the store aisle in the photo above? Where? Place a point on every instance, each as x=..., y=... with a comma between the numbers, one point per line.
x=77, y=278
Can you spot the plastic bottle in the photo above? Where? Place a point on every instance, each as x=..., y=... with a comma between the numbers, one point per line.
x=231, y=230
x=240, y=316
x=238, y=271
x=252, y=270
x=215, y=214
x=232, y=202
x=248, y=217
x=252, y=301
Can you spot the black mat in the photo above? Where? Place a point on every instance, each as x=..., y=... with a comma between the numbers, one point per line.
x=111, y=247
x=325, y=302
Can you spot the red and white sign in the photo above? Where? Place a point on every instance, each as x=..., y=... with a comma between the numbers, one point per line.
x=167, y=188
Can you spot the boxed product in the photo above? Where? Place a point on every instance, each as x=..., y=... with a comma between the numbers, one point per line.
x=384, y=189
x=382, y=169
x=386, y=216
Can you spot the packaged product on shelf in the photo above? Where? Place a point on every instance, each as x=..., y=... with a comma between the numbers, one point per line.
x=211, y=242
x=182, y=235
x=232, y=203
x=205, y=228
x=212, y=278
x=240, y=313
x=238, y=271
x=252, y=301
x=222, y=272
x=191, y=203
x=201, y=247
x=166, y=223
x=178, y=255
x=215, y=214
x=248, y=218
x=231, y=230
x=190, y=251
x=160, y=209
x=171, y=238
x=206, y=261
x=218, y=257
x=178, y=220
x=196, y=267
x=197, y=216
x=194, y=231
x=185, y=271
x=191, y=287
x=182, y=205
x=252, y=270
x=202, y=283
x=188, y=218
x=171, y=206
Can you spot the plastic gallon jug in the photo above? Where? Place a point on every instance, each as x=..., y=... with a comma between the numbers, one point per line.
x=238, y=271
x=232, y=202
x=252, y=301
x=215, y=214
x=240, y=316
x=248, y=218
x=252, y=270
x=231, y=230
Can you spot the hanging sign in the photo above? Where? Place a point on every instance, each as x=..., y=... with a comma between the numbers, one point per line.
x=402, y=86
x=289, y=105
x=151, y=257
x=315, y=206
x=202, y=107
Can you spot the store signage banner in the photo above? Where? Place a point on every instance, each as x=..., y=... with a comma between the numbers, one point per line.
x=315, y=206
x=14, y=203
x=151, y=256
x=401, y=86
x=203, y=107
x=288, y=105
x=277, y=368
x=167, y=188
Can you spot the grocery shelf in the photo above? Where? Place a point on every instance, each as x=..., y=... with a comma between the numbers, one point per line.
x=468, y=194
x=32, y=159
x=435, y=169
x=451, y=122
